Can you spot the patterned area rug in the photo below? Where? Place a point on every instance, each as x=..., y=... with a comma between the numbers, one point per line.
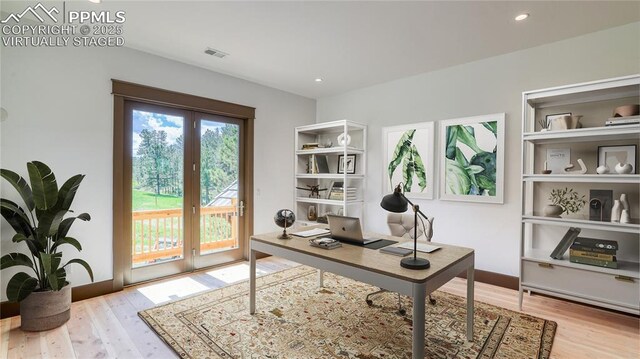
x=294, y=319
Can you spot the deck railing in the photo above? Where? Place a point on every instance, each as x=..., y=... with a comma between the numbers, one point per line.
x=159, y=234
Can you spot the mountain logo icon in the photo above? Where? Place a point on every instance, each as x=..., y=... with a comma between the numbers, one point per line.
x=34, y=12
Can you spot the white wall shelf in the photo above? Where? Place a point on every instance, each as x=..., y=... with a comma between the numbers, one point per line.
x=327, y=134
x=610, y=288
x=629, y=269
x=586, y=178
x=624, y=132
x=583, y=223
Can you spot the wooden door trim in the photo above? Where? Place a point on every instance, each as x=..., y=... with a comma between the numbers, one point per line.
x=122, y=91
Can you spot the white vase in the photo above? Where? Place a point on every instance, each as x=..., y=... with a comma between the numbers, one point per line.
x=624, y=217
x=624, y=201
x=616, y=211
x=623, y=168
x=602, y=170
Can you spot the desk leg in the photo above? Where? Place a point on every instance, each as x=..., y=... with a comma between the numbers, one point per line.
x=320, y=278
x=419, y=297
x=470, y=302
x=252, y=282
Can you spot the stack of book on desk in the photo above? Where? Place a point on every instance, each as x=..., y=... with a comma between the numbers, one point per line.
x=326, y=243
x=595, y=252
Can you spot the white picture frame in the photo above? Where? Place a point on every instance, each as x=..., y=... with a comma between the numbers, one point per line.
x=456, y=183
x=424, y=141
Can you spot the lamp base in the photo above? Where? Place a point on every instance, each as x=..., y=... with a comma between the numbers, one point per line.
x=414, y=263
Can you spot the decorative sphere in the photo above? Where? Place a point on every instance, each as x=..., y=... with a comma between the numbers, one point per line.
x=284, y=218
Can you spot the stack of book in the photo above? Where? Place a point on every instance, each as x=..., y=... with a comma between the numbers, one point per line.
x=621, y=121
x=310, y=146
x=325, y=243
x=595, y=252
x=337, y=192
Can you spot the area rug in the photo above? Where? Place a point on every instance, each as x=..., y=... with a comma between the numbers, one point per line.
x=296, y=319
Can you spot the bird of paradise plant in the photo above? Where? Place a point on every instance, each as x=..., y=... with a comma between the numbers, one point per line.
x=42, y=233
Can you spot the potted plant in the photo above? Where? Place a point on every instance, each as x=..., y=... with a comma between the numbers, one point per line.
x=43, y=291
x=564, y=200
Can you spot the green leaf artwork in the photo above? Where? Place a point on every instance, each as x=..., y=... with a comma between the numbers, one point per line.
x=406, y=153
x=474, y=173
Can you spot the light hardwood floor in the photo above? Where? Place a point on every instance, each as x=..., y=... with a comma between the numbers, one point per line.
x=109, y=327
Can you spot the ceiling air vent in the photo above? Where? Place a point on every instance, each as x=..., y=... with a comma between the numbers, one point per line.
x=216, y=53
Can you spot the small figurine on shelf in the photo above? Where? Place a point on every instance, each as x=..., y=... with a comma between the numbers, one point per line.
x=314, y=190
x=583, y=168
x=312, y=215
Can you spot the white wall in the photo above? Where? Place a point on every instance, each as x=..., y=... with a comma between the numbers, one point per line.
x=60, y=111
x=482, y=87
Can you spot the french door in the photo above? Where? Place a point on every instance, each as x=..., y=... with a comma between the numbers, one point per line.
x=185, y=190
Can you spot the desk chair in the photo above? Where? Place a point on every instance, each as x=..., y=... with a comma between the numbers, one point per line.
x=401, y=225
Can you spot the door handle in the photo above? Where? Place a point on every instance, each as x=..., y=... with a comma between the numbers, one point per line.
x=241, y=208
x=624, y=278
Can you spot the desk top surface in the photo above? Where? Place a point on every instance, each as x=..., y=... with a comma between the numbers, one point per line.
x=372, y=259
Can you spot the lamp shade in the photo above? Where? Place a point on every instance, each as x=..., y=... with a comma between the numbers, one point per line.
x=395, y=202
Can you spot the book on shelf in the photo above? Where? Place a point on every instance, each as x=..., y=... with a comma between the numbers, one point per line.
x=310, y=146
x=592, y=255
x=584, y=243
x=339, y=196
x=621, y=121
x=565, y=243
x=594, y=262
x=317, y=164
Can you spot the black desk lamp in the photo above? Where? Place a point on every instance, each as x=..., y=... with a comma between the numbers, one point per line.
x=398, y=203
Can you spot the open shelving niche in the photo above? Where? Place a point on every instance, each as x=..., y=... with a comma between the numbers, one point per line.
x=322, y=133
x=617, y=289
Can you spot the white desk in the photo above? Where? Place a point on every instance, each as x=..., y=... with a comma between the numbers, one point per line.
x=378, y=269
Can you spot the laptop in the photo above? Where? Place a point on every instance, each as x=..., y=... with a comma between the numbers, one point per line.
x=348, y=229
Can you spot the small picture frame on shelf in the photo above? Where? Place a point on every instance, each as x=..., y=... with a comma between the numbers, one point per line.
x=618, y=159
x=348, y=166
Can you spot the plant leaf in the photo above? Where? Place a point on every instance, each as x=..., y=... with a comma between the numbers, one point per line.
x=49, y=222
x=50, y=262
x=461, y=158
x=67, y=240
x=475, y=169
x=34, y=246
x=58, y=278
x=491, y=126
x=20, y=286
x=468, y=138
x=43, y=183
x=20, y=184
x=408, y=169
x=65, y=225
x=456, y=178
x=82, y=263
x=402, y=149
x=15, y=259
x=68, y=191
x=452, y=139
x=16, y=217
x=419, y=168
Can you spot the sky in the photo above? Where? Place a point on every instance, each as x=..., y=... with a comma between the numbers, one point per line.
x=172, y=125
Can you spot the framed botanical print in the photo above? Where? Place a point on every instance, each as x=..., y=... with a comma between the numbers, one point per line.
x=472, y=159
x=408, y=159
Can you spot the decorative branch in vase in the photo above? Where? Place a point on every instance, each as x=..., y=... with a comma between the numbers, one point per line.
x=564, y=200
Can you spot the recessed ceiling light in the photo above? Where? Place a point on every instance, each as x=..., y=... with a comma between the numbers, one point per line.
x=318, y=80
x=95, y=1
x=522, y=17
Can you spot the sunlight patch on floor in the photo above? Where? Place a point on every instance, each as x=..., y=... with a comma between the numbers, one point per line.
x=171, y=290
x=234, y=273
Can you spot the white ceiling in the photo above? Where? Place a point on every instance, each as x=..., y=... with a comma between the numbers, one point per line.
x=350, y=45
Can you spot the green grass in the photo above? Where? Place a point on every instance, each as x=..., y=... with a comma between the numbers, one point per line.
x=149, y=201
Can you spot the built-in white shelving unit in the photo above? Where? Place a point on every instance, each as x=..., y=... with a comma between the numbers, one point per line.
x=323, y=134
x=619, y=288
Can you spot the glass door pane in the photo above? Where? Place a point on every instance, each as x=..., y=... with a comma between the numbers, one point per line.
x=157, y=185
x=219, y=175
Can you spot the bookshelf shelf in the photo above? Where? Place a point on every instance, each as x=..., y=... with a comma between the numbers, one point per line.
x=619, y=288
